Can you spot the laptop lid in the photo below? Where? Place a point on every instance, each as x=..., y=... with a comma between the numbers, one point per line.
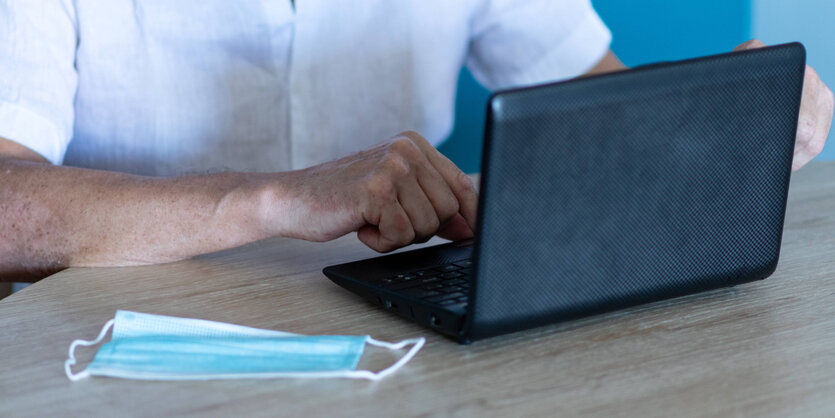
x=631, y=187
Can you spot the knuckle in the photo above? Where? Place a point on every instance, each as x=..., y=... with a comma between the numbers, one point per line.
x=403, y=234
x=380, y=186
x=434, y=225
x=815, y=147
x=402, y=145
x=430, y=227
x=397, y=165
x=449, y=208
x=397, y=237
x=416, y=139
x=806, y=129
x=466, y=182
x=405, y=147
x=401, y=225
x=413, y=135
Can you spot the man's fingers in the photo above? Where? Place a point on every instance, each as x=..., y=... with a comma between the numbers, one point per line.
x=752, y=44
x=394, y=230
x=815, y=119
x=422, y=214
x=412, y=192
x=807, y=119
x=438, y=191
x=460, y=184
x=823, y=117
x=456, y=229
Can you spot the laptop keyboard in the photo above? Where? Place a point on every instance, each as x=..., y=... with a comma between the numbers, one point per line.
x=447, y=285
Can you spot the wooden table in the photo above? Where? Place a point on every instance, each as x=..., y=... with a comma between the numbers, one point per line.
x=764, y=348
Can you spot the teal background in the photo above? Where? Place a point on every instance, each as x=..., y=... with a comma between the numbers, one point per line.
x=643, y=31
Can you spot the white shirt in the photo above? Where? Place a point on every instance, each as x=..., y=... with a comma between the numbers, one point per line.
x=164, y=87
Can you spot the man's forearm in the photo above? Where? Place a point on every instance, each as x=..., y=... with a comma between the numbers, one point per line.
x=55, y=217
x=393, y=194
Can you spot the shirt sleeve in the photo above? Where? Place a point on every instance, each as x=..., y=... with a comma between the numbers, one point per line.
x=38, y=79
x=521, y=42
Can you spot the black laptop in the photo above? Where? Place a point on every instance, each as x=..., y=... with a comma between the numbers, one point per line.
x=607, y=192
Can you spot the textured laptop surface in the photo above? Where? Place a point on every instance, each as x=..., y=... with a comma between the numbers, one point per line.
x=627, y=188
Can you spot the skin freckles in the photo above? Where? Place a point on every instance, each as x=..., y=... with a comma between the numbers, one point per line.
x=41, y=237
x=58, y=218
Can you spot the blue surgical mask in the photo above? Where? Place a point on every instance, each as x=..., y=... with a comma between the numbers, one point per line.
x=155, y=347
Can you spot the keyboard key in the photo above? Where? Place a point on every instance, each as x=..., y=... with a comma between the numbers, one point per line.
x=463, y=263
x=450, y=289
x=448, y=267
x=455, y=282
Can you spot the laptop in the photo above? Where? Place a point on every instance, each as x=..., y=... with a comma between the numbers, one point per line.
x=607, y=192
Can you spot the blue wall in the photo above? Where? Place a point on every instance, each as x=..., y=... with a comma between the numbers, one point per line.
x=644, y=31
x=463, y=146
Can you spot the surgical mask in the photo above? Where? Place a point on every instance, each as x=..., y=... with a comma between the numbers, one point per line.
x=155, y=347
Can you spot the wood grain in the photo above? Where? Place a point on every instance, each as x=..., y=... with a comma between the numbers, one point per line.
x=760, y=349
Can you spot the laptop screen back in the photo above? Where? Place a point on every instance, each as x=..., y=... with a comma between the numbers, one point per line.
x=626, y=188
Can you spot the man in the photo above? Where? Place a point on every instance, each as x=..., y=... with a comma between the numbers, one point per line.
x=134, y=97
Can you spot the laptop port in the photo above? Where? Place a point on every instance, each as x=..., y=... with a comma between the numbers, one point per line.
x=391, y=306
x=434, y=320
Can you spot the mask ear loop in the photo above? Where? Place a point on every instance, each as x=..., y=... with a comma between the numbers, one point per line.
x=365, y=374
x=71, y=361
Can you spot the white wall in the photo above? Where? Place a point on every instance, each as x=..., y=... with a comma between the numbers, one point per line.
x=809, y=21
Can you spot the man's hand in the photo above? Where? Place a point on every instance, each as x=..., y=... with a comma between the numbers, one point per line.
x=815, y=114
x=397, y=193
